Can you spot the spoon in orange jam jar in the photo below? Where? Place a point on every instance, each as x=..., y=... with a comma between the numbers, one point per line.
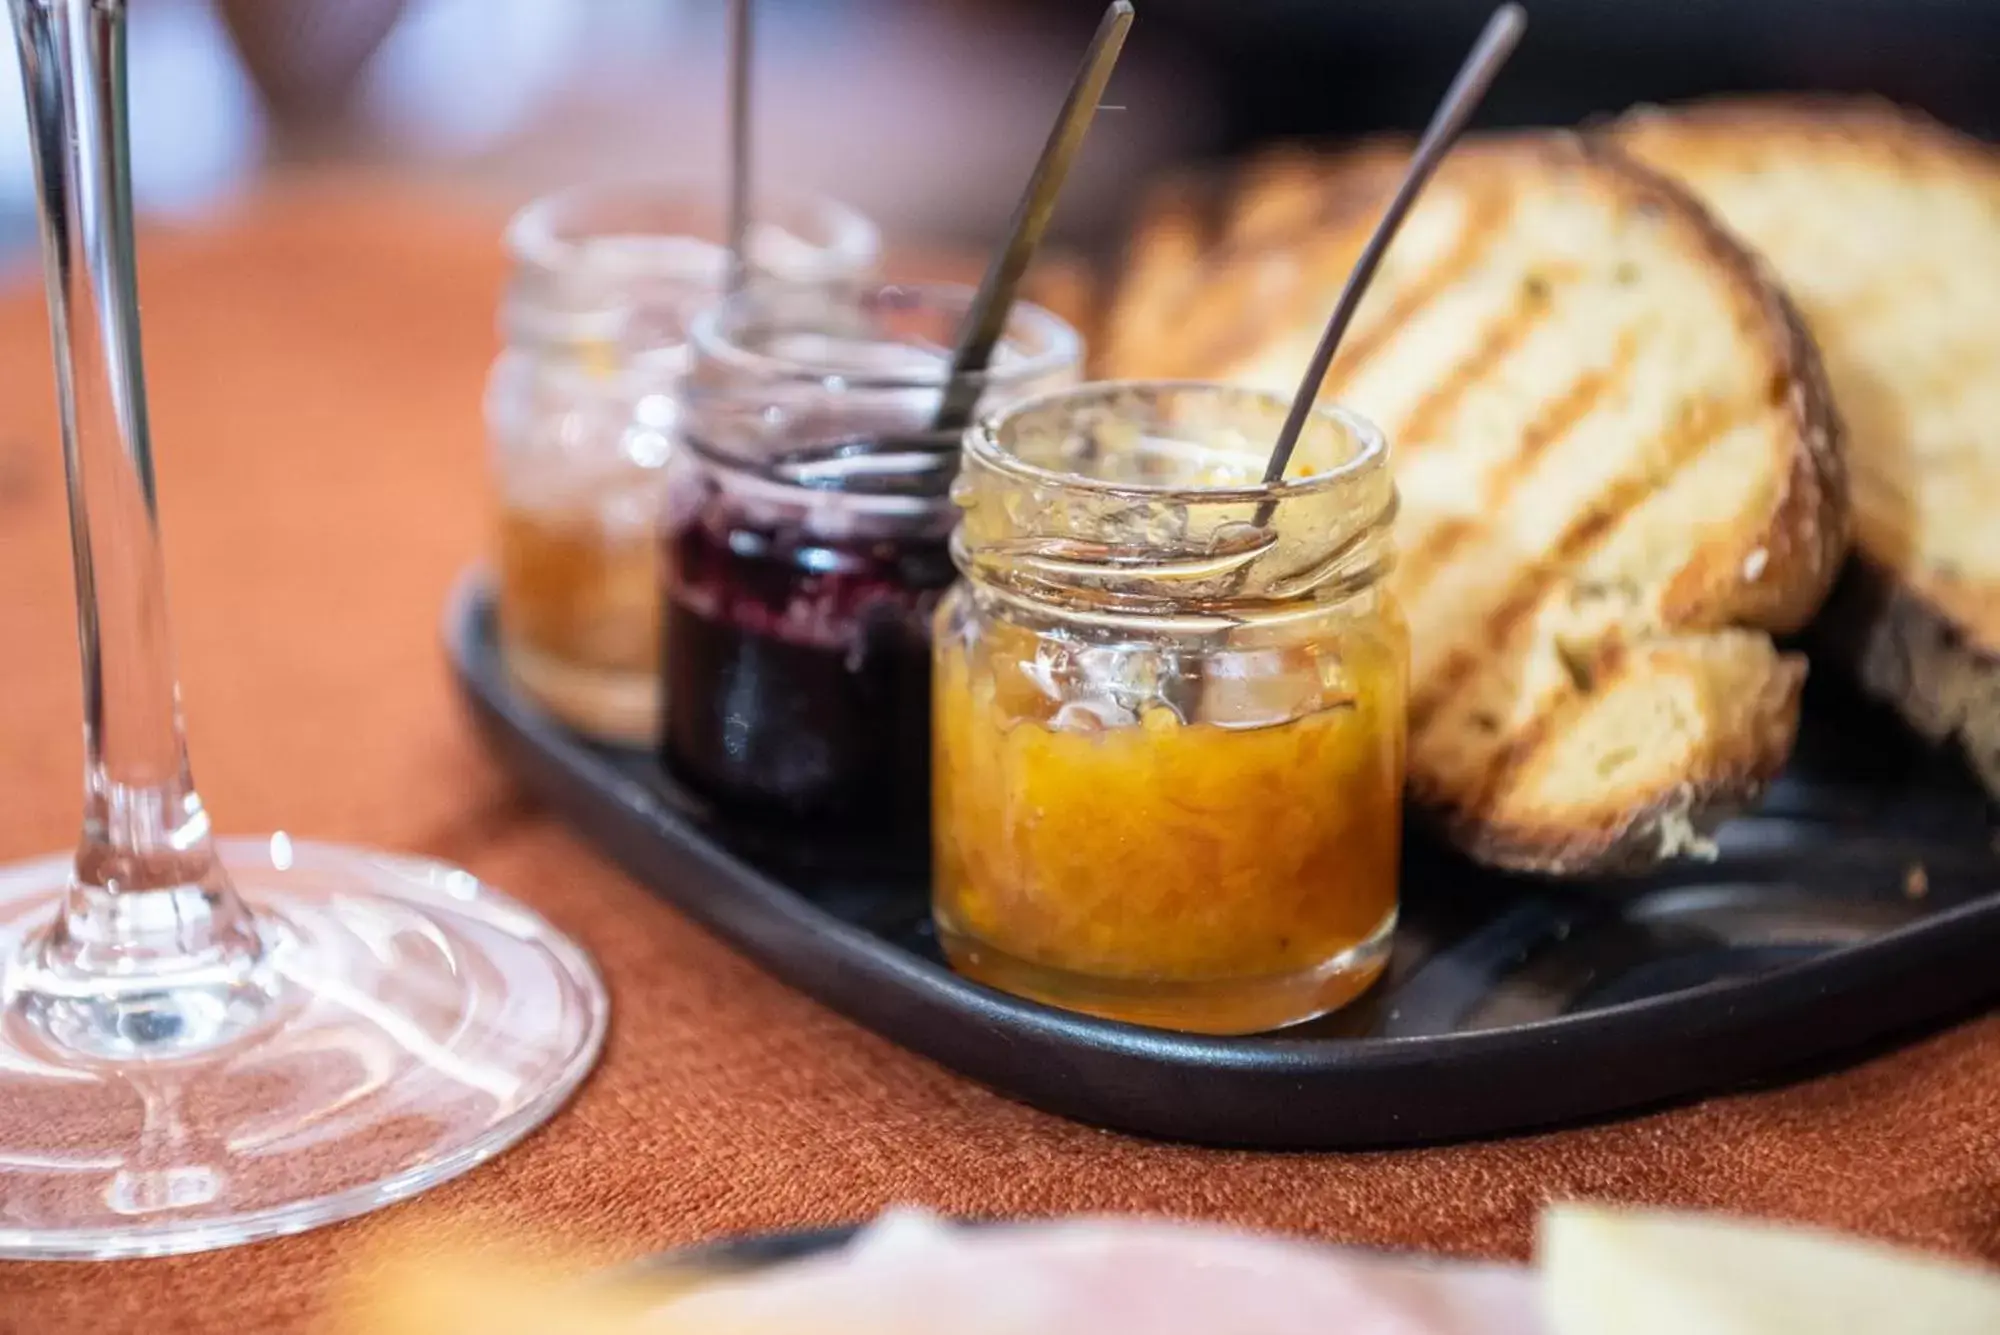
x=1168, y=742
x=1168, y=696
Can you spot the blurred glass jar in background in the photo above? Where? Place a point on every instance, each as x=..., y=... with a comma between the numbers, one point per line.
x=583, y=411
x=807, y=544
x=1169, y=709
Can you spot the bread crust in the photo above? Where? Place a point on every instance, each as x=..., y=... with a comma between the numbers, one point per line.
x=1679, y=822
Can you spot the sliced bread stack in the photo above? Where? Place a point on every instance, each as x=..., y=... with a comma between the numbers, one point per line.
x=1619, y=462
x=1885, y=228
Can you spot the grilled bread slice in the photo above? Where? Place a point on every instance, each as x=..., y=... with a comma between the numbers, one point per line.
x=1211, y=244
x=1620, y=471
x=1885, y=228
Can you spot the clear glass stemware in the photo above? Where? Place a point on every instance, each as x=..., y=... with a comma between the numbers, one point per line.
x=202, y=1041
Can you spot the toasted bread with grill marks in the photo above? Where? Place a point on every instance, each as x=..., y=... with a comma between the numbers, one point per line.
x=1620, y=471
x=1885, y=228
x=1210, y=244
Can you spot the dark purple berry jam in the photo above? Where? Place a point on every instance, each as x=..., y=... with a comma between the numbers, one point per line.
x=798, y=670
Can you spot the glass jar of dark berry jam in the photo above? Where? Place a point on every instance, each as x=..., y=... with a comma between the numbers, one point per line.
x=806, y=545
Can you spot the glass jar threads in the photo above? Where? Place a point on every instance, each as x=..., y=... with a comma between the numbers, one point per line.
x=582, y=411
x=1169, y=730
x=807, y=545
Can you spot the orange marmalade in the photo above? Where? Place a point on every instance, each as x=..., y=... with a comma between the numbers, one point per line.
x=1168, y=739
x=583, y=410
x=579, y=599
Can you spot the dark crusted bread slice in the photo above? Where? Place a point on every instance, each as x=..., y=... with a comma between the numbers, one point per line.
x=1620, y=472
x=1885, y=228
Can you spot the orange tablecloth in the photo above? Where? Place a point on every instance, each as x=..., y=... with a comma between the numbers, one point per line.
x=316, y=363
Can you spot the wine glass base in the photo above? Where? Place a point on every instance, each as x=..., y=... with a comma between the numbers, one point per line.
x=418, y=1023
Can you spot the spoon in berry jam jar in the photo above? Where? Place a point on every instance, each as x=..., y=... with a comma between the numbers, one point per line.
x=806, y=545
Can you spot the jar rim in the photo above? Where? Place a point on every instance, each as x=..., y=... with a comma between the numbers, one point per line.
x=756, y=476
x=541, y=233
x=982, y=442
x=1064, y=345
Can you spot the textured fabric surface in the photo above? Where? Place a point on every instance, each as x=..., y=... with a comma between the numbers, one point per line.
x=316, y=362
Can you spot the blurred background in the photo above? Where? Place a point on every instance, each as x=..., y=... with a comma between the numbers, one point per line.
x=926, y=113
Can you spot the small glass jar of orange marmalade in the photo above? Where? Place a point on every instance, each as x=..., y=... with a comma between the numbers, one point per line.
x=1169, y=709
x=583, y=409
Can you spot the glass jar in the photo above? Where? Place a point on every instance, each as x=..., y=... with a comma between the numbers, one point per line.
x=1169, y=710
x=582, y=410
x=807, y=546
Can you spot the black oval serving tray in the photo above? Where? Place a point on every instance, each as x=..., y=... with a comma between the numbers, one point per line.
x=1861, y=901
x=741, y=1255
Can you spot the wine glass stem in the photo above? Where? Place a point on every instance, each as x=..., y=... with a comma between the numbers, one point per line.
x=148, y=901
